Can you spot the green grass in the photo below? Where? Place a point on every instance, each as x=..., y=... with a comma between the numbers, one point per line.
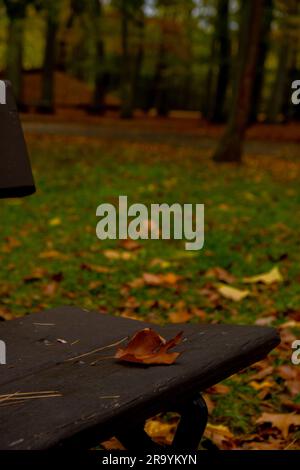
x=251, y=224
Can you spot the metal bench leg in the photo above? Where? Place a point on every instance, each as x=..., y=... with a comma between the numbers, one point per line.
x=189, y=432
x=192, y=424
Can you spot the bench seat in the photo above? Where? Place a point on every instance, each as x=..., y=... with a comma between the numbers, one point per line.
x=109, y=397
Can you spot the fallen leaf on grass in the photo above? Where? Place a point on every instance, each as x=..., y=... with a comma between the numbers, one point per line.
x=152, y=279
x=264, y=372
x=112, y=444
x=219, y=389
x=209, y=403
x=265, y=321
x=52, y=254
x=36, y=275
x=118, y=255
x=160, y=279
x=290, y=324
x=220, y=435
x=220, y=274
x=5, y=314
x=95, y=268
x=266, y=278
x=232, y=293
x=281, y=421
x=291, y=375
x=266, y=384
x=10, y=244
x=54, y=222
x=155, y=280
x=160, y=262
x=148, y=347
x=160, y=431
x=179, y=317
x=50, y=289
x=130, y=245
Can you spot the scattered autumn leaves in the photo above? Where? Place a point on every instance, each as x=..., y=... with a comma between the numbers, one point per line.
x=275, y=425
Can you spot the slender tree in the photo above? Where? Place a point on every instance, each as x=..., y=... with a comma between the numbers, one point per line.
x=132, y=17
x=52, y=9
x=139, y=55
x=222, y=38
x=230, y=146
x=160, y=80
x=126, y=71
x=16, y=12
x=100, y=75
x=262, y=55
x=286, y=58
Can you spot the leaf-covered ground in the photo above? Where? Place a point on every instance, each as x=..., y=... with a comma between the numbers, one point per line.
x=50, y=256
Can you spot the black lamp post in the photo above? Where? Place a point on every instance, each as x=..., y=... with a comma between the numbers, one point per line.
x=16, y=178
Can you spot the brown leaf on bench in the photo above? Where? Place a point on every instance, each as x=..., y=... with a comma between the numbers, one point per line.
x=148, y=347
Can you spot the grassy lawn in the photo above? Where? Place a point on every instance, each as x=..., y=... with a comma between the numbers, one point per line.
x=50, y=255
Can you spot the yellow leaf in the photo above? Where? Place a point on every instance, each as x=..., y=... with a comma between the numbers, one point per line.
x=51, y=254
x=54, y=222
x=232, y=293
x=219, y=429
x=117, y=255
x=266, y=278
x=258, y=386
x=160, y=431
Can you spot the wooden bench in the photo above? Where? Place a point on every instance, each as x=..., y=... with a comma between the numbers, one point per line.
x=95, y=396
x=101, y=397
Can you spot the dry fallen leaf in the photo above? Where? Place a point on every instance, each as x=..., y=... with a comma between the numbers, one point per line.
x=148, y=347
x=220, y=274
x=179, y=317
x=50, y=289
x=112, y=444
x=169, y=279
x=118, y=255
x=160, y=431
x=220, y=435
x=95, y=268
x=5, y=314
x=36, y=274
x=219, y=389
x=266, y=384
x=232, y=293
x=281, y=421
x=52, y=254
x=266, y=278
x=54, y=222
x=152, y=279
x=130, y=245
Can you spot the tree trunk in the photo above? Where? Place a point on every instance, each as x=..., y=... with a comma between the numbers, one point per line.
x=278, y=90
x=223, y=42
x=100, y=79
x=262, y=55
x=14, y=56
x=98, y=103
x=47, y=104
x=207, y=105
x=126, y=73
x=160, y=83
x=230, y=146
x=279, y=99
x=139, y=57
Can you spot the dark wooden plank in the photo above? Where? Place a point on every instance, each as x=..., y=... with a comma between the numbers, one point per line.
x=15, y=173
x=98, y=400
